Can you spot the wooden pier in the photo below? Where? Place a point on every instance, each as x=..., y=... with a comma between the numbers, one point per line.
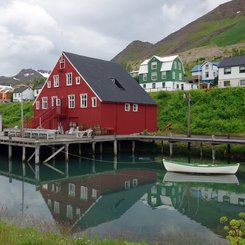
x=64, y=141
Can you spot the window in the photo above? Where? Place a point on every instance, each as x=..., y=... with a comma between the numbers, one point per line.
x=164, y=75
x=144, y=86
x=163, y=85
x=68, y=79
x=127, y=184
x=94, y=193
x=49, y=203
x=94, y=101
x=58, y=102
x=84, y=193
x=78, y=80
x=226, y=83
x=48, y=84
x=135, y=107
x=177, y=86
x=153, y=76
x=227, y=70
x=71, y=189
x=182, y=86
x=242, y=69
x=62, y=63
x=44, y=103
x=242, y=82
x=135, y=182
x=180, y=76
x=53, y=100
x=37, y=105
x=144, y=77
x=154, y=65
x=83, y=101
x=56, y=81
x=127, y=107
x=175, y=65
x=71, y=101
x=206, y=66
x=179, y=66
x=78, y=211
x=207, y=74
x=56, y=207
x=173, y=75
x=153, y=85
x=69, y=212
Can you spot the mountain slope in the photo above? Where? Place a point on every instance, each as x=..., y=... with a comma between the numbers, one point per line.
x=26, y=76
x=221, y=27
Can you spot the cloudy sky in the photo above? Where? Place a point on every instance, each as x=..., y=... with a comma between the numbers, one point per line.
x=34, y=32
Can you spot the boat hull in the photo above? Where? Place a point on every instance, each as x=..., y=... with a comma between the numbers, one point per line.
x=201, y=168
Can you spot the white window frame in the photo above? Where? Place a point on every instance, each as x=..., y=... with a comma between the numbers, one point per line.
x=44, y=103
x=135, y=182
x=144, y=77
x=154, y=76
x=153, y=85
x=242, y=82
x=68, y=79
x=227, y=83
x=56, y=207
x=83, y=100
x=94, y=101
x=127, y=184
x=154, y=65
x=69, y=211
x=71, y=189
x=56, y=81
x=135, y=107
x=62, y=63
x=164, y=74
x=53, y=100
x=78, y=80
x=227, y=70
x=37, y=105
x=84, y=192
x=179, y=64
x=94, y=193
x=127, y=107
x=242, y=69
x=71, y=101
x=173, y=75
x=48, y=84
x=180, y=76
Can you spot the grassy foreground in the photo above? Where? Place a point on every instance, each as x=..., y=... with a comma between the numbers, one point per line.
x=216, y=111
x=14, y=235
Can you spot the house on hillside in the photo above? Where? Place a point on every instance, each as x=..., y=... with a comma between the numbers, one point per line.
x=209, y=72
x=84, y=91
x=37, y=90
x=5, y=93
x=163, y=73
x=232, y=72
x=23, y=93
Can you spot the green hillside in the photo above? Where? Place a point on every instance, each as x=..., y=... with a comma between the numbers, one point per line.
x=222, y=28
x=217, y=111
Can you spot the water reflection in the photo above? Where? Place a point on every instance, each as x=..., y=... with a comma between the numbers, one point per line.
x=134, y=198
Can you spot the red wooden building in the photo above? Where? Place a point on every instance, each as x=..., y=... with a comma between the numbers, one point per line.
x=5, y=93
x=86, y=91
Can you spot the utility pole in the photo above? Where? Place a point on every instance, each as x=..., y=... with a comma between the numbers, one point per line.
x=188, y=97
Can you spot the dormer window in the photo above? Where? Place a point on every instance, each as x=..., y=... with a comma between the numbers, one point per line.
x=62, y=63
x=118, y=84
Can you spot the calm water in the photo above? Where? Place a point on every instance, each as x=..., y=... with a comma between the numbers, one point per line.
x=130, y=197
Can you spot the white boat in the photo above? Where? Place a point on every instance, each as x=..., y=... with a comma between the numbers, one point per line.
x=198, y=178
x=173, y=166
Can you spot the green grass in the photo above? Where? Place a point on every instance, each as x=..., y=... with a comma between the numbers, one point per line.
x=11, y=113
x=231, y=36
x=217, y=111
x=14, y=235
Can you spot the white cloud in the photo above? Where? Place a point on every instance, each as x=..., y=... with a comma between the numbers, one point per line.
x=34, y=32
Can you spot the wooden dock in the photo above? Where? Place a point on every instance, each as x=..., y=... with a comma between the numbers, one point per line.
x=64, y=141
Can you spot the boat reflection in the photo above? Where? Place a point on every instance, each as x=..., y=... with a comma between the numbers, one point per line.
x=181, y=177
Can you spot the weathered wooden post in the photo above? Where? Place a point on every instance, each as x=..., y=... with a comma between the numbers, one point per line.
x=115, y=146
x=79, y=149
x=213, y=152
x=37, y=154
x=133, y=146
x=93, y=147
x=37, y=173
x=10, y=151
x=10, y=171
x=171, y=149
x=201, y=150
x=67, y=152
x=101, y=148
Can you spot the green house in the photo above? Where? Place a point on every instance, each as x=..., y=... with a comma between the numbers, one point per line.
x=163, y=73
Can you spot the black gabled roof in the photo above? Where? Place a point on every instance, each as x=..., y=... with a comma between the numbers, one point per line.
x=109, y=80
x=232, y=61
